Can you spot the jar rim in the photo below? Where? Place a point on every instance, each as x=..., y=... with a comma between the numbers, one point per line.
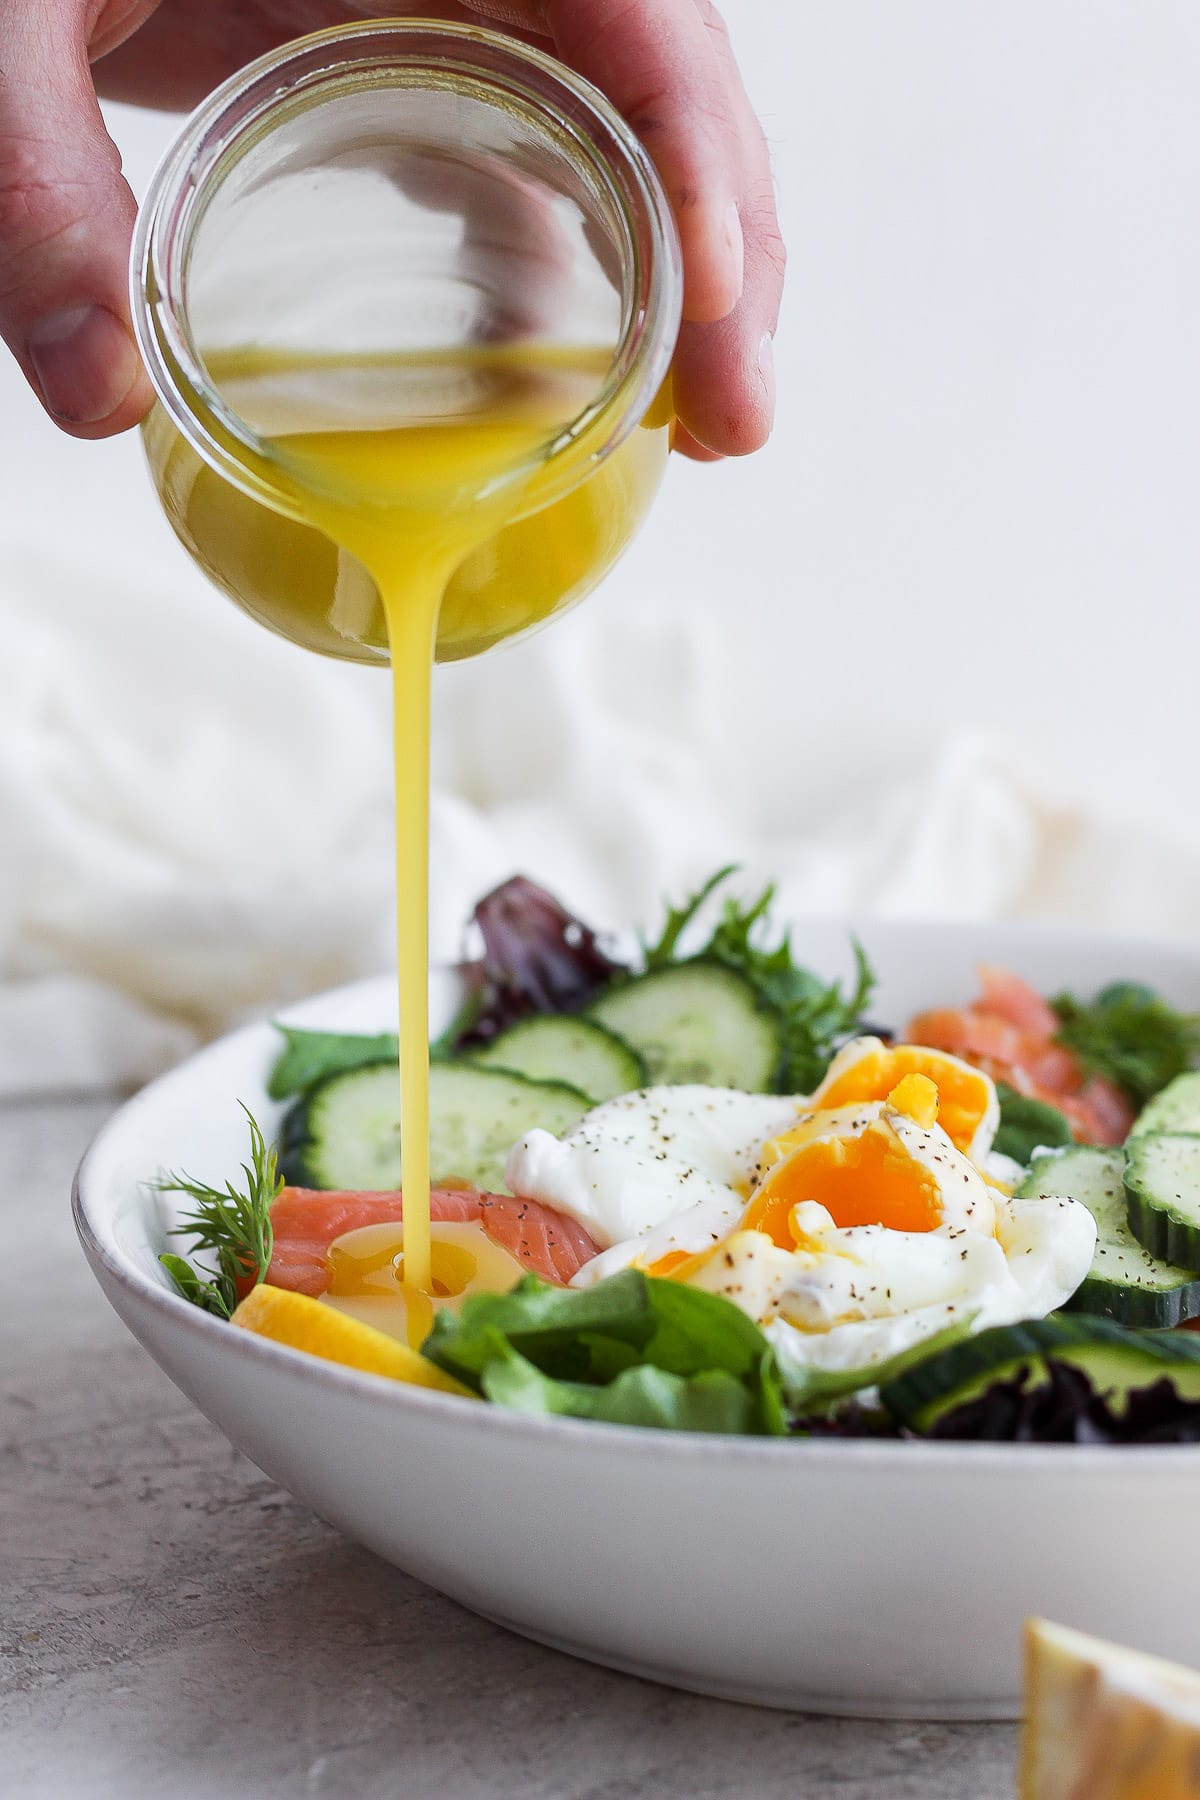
x=191, y=170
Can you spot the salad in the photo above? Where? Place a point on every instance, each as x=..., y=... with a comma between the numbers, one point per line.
x=702, y=1189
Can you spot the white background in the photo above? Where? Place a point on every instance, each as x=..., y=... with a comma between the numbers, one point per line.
x=957, y=596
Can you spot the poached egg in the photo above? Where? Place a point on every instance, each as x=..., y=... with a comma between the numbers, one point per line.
x=850, y=1223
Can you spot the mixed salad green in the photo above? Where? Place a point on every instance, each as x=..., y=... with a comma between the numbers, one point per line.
x=555, y=1023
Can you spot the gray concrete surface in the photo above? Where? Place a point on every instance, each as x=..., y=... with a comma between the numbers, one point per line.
x=174, y=1627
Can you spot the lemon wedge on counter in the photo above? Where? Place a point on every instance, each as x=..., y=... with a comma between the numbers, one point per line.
x=1103, y=1723
x=306, y=1324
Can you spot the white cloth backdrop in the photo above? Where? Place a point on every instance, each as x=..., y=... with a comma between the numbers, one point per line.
x=934, y=651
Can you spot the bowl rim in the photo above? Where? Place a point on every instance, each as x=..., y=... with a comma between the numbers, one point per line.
x=882, y=1454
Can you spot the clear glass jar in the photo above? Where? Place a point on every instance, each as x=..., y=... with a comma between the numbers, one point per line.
x=404, y=189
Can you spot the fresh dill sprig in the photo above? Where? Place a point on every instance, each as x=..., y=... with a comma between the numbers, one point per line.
x=235, y=1228
x=816, y=1016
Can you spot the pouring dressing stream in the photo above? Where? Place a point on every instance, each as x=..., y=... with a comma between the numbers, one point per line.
x=410, y=500
x=425, y=448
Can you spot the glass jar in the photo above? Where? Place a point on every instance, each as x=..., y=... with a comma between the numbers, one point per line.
x=404, y=190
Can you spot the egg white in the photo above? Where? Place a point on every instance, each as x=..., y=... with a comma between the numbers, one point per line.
x=652, y=1156
x=671, y=1169
x=857, y=1295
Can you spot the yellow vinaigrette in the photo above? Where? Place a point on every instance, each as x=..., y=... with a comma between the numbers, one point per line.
x=370, y=1282
x=423, y=509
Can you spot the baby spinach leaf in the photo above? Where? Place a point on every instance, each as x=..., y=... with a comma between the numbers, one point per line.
x=597, y=1337
x=713, y=1401
x=814, y=1392
x=217, y=1296
x=1027, y=1125
x=311, y=1056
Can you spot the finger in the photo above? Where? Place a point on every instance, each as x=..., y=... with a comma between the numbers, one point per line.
x=116, y=21
x=685, y=444
x=188, y=47
x=724, y=372
x=658, y=66
x=66, y=217
x=519, y=15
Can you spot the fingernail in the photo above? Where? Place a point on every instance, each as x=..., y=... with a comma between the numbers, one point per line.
x=766, y=369
x=737, y=248
x=85, y=363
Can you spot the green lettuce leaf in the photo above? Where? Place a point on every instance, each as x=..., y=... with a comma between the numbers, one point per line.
x=597, y=1352
x=311, y=1056
x=217, y=1295
x=1130, y=1035
x=813, y=1392
x=714, y=1401
x=1027, y=1125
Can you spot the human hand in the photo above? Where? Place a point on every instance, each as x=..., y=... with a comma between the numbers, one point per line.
x=66, y=212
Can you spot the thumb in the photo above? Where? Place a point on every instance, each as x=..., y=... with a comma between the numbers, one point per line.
x=66, y=218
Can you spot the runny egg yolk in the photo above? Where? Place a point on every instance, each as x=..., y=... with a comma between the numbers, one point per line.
x=867, y=1180
x=918, y=1097
x=964, y=1094
x=673, y=1262
x=871, y=1179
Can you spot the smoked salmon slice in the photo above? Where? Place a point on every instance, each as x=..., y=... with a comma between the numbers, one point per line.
x=1009, y=1033
x=306, y=1221
x=1008, y=997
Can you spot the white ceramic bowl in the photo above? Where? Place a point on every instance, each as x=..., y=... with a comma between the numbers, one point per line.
x=865, y=1578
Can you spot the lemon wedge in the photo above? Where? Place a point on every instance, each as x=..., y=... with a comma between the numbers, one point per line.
x=307, y=1324
x=1106, y=1723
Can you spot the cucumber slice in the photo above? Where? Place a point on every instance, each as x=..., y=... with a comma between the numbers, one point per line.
x=1125, y=1281
x=1162, y=1187
x=1175, y=1108
x=696, y=1023
x=1116, y=1361
x=346, y=1132
x=564, y=1047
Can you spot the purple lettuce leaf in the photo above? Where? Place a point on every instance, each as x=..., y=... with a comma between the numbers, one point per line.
x=850, y=1420
x=1062, y=1408
x=1066, y=1409
x=537, y=958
